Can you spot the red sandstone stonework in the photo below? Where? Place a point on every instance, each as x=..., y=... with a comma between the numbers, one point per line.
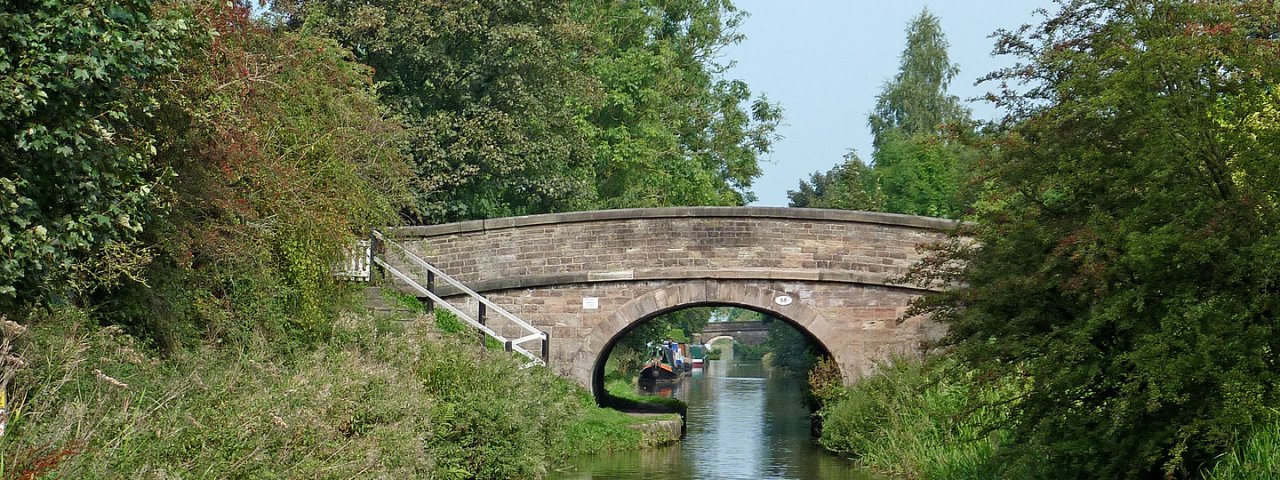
x=836, y=266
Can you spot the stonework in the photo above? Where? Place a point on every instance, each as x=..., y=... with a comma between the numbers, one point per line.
x=828, y=272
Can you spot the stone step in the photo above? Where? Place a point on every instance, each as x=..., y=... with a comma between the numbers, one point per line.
x=374, y=301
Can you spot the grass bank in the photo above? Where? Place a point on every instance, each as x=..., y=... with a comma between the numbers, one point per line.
x=934, y=420
x=913, y=420
x=379, y=398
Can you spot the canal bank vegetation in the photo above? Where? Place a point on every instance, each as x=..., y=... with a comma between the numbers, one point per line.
x=914, y=419
x=383, y=397
x=1118, y=263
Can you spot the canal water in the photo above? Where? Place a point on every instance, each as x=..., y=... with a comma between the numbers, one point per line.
x=744, y=422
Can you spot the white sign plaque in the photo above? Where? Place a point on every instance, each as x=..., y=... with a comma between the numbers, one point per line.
x=590, y=303
x=783, y=300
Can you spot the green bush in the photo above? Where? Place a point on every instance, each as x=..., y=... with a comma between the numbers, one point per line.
x=76, y=173
x=914, y=420
x=282, y=157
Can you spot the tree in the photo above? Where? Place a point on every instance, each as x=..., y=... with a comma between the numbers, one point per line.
x=535, y=107
x=1123, y=260
x=670, y=129
x=282, y=157
x=920, y=133
x=916, y=100
x=792, y=350
x=924, y=174
x=492, y=90
x=75, y=170
x=851, y=185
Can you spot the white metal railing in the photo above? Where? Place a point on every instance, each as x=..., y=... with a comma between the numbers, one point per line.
x=356, y=265
x=484, y=305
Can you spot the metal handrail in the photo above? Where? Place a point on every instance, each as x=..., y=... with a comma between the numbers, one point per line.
x=485, y=303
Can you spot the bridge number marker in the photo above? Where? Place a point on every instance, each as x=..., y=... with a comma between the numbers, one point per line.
x=590, y=303
x=783, y=300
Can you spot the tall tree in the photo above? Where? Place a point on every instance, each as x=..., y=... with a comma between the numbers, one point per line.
x=534, y=107
x=916, y=101
x=1124, y=262
x=918, y=130
x=670, y=129
x=493, y=91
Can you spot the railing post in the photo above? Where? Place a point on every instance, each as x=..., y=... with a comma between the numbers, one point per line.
x=480, y=314
x=373, y=253
x=546, y=348
x=431, y=287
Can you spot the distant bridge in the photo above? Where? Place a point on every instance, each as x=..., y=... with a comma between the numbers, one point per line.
x=750, y=333
x=587, y=278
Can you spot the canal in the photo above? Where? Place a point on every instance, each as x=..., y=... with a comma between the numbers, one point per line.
x=744, y=422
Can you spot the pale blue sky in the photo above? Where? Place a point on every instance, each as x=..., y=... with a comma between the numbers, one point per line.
x=825, y=61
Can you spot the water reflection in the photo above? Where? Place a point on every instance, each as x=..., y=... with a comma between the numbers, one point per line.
x=745, y=422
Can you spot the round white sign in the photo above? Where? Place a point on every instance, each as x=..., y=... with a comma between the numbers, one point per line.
x=783, y=300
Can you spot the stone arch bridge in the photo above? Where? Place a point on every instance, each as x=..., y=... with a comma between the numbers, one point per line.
x=750, y=333
x=586, y=278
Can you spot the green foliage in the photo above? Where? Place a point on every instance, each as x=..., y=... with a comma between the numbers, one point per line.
x=449, y=323
x=667, y=128
x=916, y=100
x=923, y=174
x=792, y=350
x=1257, y=458
x=851, y=185
x=913, y=419
x=283, y=157
x=714, y=353
x=679, y=325
x=628, y=389
x=1123, y=256
x=749, y=353
x=491, y=90
x=76, y=90
x=533, y=107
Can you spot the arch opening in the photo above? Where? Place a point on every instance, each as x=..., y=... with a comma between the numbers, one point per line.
x=765, y=315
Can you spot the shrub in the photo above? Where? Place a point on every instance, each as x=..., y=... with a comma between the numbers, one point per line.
x=76, y=177
x=283, y=158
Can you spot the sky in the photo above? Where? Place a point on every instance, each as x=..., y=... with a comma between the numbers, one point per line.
x=824, y=61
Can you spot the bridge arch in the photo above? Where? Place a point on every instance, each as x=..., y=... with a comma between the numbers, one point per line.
x=779, y=304
x=587, y=277
x=717, y=339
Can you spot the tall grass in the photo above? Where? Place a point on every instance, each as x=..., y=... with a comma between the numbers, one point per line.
x=915, y=420
x=378, y=399
x=1257, y=458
